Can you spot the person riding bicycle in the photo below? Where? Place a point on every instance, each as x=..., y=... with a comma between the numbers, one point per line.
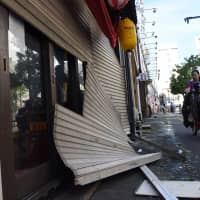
x=186, y=104
x=195, y=79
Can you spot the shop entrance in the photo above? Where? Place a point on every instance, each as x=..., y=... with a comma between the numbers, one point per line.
x=28, y=111
x=28, y=106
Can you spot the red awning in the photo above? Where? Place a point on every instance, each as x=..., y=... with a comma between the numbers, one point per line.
x=99, y=10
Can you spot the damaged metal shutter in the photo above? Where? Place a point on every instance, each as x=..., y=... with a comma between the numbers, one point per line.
x=94, y=146
x=110, y=74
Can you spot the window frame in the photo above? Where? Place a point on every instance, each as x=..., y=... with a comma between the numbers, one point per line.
x=6, y=153
x=22, y=185
x=74, y=102
x=9, y=180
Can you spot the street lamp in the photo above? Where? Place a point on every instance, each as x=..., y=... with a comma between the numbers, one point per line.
x=153, y=23
x=145, y=33
x=154, y=53
x=149, y=37
x=140, y=7
x=152, y=33
x=151, y=9
x=151, y=43
x=188, y=18
x=155, y=48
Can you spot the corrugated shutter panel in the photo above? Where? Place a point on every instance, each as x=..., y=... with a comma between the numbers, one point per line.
x=94, y=146
x=110, y=74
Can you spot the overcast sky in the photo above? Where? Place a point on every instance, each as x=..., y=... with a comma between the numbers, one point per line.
x=170, y=25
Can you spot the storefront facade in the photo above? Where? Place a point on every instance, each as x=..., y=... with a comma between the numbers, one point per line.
x=62, y=100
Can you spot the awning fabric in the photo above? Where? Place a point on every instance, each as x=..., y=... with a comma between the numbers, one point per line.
x=100, y=12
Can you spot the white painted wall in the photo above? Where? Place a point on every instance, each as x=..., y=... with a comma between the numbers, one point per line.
x=167, y=59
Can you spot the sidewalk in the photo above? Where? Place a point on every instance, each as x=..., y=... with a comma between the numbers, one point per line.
x=163, y=132
x=124, y=185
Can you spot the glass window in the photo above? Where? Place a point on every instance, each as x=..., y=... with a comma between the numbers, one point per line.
x=61, y=74
x=29, y=124
x=70, y=79
x=81, y=75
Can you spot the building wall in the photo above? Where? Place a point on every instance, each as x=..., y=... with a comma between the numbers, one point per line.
x=167, y=59
x=71, y=26
x=197, y=44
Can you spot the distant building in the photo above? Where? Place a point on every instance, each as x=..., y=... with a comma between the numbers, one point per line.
x=168, y=57
x=197, y=43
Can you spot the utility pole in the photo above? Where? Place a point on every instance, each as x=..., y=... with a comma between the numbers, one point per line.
x=187, y=19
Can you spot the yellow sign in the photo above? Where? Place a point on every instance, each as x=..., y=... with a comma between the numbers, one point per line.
x=127, y=34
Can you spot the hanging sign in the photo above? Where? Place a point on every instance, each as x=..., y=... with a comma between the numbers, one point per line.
x=127, y=34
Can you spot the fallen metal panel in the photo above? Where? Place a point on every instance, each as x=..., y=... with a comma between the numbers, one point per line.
x=115, y=168
x=183, y=189
x=94, y=145
x=91, y=155
x=167, y=195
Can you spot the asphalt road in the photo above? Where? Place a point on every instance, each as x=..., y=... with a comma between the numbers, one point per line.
x=184, y=135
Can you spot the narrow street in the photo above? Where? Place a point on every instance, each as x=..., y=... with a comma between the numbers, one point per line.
x=168, y=131
x=185, y=136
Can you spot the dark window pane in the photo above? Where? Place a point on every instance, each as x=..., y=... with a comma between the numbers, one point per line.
x=61, y=74
x=27, y=98
x=82, y=78
x=81, y=75
x=70, y=80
